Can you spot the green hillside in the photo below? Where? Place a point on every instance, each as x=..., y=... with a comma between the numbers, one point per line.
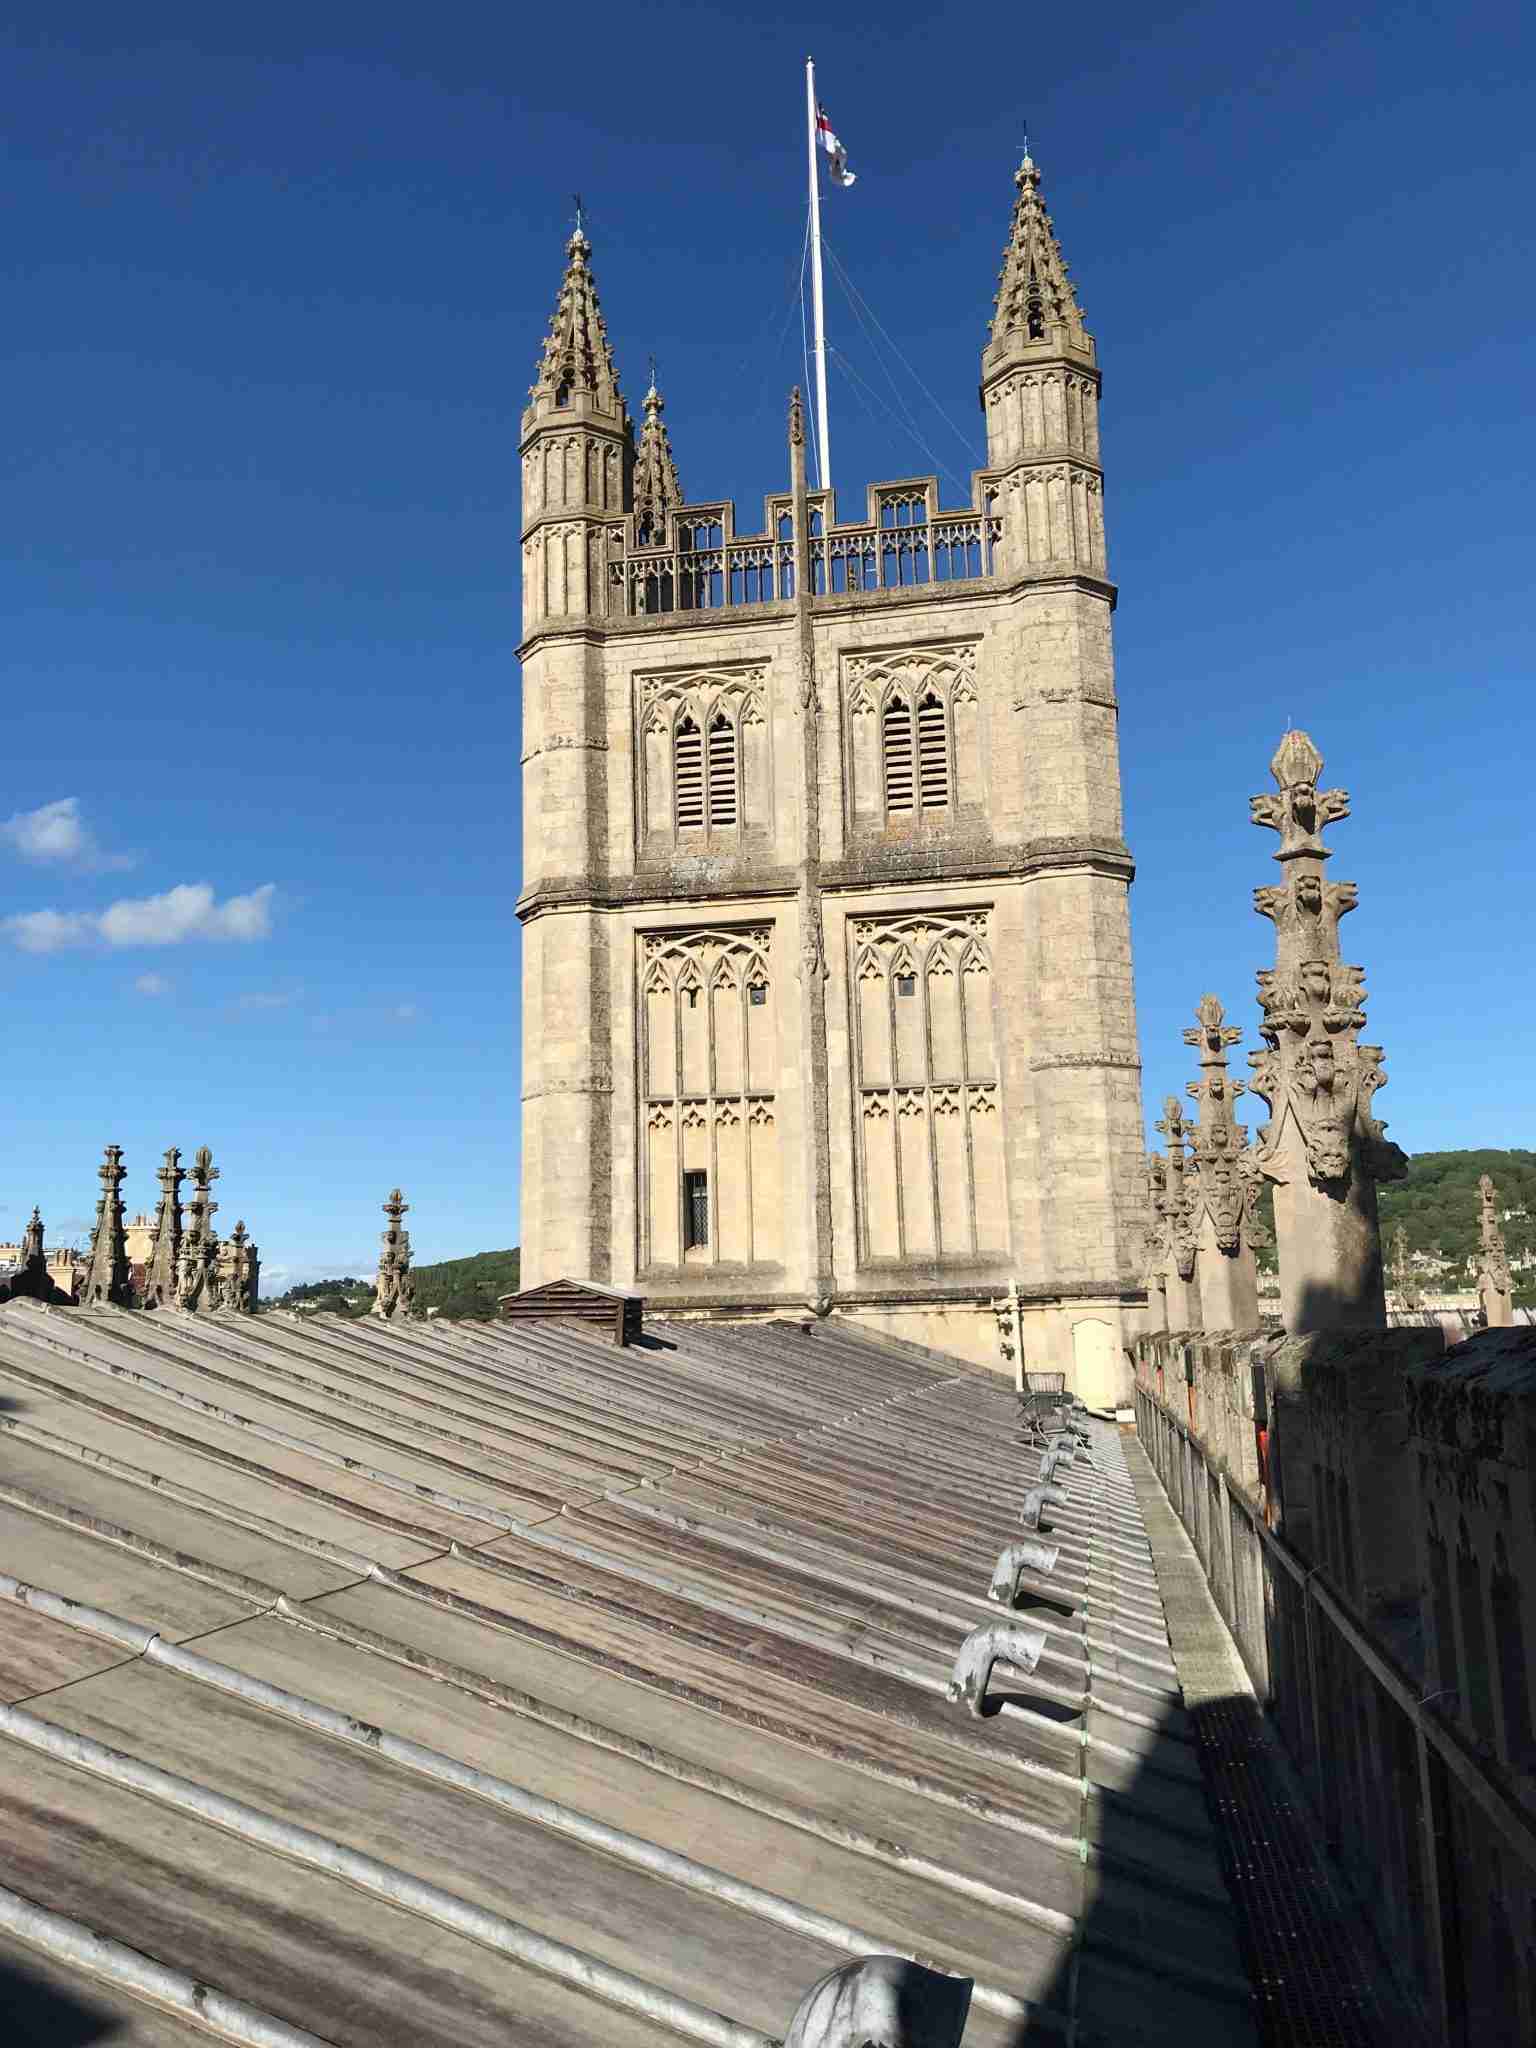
x=1438, y=1206
x=456, y=1288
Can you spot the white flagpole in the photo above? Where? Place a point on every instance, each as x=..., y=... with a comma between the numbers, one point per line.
x=819, y=349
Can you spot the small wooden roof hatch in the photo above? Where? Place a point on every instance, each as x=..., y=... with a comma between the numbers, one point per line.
x=614, y=1309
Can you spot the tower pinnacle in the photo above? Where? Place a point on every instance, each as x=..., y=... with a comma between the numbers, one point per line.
x=657, y=490
x=1035, y=300
x=577, y=361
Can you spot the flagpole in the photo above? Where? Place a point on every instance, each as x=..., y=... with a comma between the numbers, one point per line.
x=819, y=348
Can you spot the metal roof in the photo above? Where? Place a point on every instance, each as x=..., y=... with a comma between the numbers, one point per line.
x=451, y=1682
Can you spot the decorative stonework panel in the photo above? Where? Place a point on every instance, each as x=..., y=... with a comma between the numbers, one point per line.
x=704, y=764
x=913, y=743
x=708, y=1064
x=928, y=1143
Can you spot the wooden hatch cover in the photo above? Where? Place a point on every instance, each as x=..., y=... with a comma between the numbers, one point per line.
x=613, y=1309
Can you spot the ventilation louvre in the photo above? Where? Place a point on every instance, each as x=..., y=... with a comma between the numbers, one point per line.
x=899, y=791
x=689, y=776
x=722, y=773
x=932, y=754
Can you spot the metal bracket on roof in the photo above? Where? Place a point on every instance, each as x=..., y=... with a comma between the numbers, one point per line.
x=1035, y=1500
x=1007, y=1641
x=1017, y=1558
x=1052, y=1463
x=884, y=2002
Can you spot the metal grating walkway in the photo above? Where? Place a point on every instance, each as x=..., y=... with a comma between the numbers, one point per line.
x=1319, y=1980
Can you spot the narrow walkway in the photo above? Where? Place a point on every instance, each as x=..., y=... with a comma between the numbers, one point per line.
x=1319, y=1981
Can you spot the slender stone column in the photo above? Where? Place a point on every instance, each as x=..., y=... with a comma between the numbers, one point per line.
x=1495, y=1284
x=1322, y=1148
x=1229, y=1281
x=813, y=954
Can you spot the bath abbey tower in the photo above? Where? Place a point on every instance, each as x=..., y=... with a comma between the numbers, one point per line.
x=827, y=973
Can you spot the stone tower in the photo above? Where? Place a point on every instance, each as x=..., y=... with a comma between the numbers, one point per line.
x=827, y=978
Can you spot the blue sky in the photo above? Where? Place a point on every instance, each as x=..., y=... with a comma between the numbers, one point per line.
x=276, y=283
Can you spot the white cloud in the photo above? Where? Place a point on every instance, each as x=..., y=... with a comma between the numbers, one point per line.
x=152, y=985
x=48, y=931
x=186, y=912
x=57, y=832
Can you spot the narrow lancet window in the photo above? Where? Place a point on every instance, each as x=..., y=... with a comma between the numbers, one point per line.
x=688, y=775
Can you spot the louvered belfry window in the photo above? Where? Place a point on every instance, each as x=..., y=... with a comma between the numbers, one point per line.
x=932, y=754
x=899, y=791
x=706, y=774
x=722, y=772
x=916, y=749
x=688, y=775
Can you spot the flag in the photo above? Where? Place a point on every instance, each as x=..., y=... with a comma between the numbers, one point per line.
x=840, y=173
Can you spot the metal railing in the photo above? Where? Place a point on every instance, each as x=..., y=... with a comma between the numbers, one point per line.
x=1442, y=1854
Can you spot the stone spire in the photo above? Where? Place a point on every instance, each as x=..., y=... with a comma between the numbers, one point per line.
x=1035, y=300
x=1183, y=1291
x=32, y=1241
x=395, y=1288
x=1495, y=1284
x=106, y=1276
x=1322, y=1147
x=657, y=490
x=197, y=1270
x=1220, y=1199
x=160, y=1276
x=577, y=363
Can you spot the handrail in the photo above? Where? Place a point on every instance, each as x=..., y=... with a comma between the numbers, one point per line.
x=1470, y=1772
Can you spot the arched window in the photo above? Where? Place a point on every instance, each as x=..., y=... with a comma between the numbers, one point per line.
x=706, y=774
x=916, y=750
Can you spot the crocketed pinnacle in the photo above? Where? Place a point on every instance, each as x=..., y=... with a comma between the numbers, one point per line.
x=657, y=490
x=1035, y=299
x=577, y=359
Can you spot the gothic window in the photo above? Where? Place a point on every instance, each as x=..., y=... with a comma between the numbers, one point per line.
x=709, y=1063
x=928, y=1142
x=695, y=1209
x=914, y=743
x=704, y=762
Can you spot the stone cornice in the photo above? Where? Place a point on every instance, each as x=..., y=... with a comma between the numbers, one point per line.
x=854, y=604
x=985, y=1298
x=925, y=868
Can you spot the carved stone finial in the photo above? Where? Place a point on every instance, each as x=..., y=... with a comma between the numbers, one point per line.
x=1495, y=1283
x=395, y=1287
x=1321, y=1147
x=577, y=362
x=1035, y=300
x=796, y=419
x=32, y=1239
x=198, y=1285
x=657, y=490
x=107, y=1278
x=1177, y=1210
x=160, y=1278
